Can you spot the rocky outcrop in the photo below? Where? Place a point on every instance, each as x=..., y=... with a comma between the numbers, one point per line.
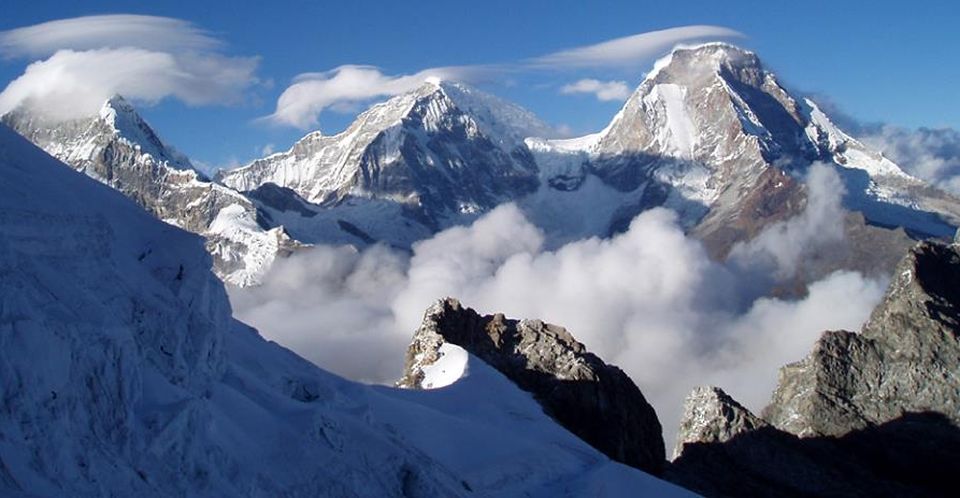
x=712, y=416
x=911, y=456
x=593, y=400
x=875, y=413
x=906, y=359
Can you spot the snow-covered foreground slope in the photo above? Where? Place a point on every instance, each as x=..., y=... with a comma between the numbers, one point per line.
x=123, y=373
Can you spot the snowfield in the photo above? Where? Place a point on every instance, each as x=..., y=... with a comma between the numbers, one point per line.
x=122, y=372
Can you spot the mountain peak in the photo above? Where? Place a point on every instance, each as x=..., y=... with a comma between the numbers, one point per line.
x=122, y=118
x=117, y=102
x=708, y=58
x=717, y=48
x=120, y=114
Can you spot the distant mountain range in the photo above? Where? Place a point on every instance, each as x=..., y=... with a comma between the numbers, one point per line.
x=710, y=133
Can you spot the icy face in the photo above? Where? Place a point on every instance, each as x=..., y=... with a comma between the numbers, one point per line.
x=442, y=151
x=118, y=148
x=505, y=123
x=847, y=151
x=123, y=373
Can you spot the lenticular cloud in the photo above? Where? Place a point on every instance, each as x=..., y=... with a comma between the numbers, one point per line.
x=145, y=58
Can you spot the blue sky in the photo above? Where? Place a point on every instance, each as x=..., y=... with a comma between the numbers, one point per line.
x=879, y=61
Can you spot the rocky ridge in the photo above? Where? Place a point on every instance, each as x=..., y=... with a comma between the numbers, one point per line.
x=595, y=401
x=117, y=147
x=874, y=413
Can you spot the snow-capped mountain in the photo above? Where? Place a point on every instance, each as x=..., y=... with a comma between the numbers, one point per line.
x=122, y=372
x=709, y=132
x=438, y=154
x=712, y=133
x=118, y=148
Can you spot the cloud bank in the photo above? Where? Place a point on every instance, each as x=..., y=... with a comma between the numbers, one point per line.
x=144, y=58
x=648, y=300
x=602, y=90
x=930, y=154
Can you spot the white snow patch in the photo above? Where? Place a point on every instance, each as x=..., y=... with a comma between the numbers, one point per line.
x=679, y=136
x=449, y=368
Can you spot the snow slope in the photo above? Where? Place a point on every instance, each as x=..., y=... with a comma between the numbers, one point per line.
x=117, y=147
x=123, y=373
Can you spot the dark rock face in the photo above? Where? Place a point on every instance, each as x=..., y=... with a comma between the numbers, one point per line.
x=595, y=401
x=914, y=455
x=446, y=162
x=712, y=416
x=775, y=196
x=906, y=359
x=869, y=414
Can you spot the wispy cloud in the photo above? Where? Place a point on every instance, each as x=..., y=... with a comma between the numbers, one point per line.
x=119, y=30
x=631, y=50
x=144, y=58
x=301, y=104
x=311, y=93
x=602, y=90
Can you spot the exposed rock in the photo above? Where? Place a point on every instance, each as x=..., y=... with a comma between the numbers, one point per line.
x=442, y=150
x=869, y=414
x=911, y=456
x=712, y=416
x=776, y=196
x=906, y=359
x=118, y=148
x=595, y=401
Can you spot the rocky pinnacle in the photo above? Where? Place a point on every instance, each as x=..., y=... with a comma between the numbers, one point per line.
x=593, y=400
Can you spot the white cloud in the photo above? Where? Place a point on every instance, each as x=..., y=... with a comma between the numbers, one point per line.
x=929, y=154
x=143, y=58
x=603, y=90
x=266, y=150
x=631, y=50
x=648, y=300
x=311, y=93
x=783, y=245
x=119, y=30
x=331, y=306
